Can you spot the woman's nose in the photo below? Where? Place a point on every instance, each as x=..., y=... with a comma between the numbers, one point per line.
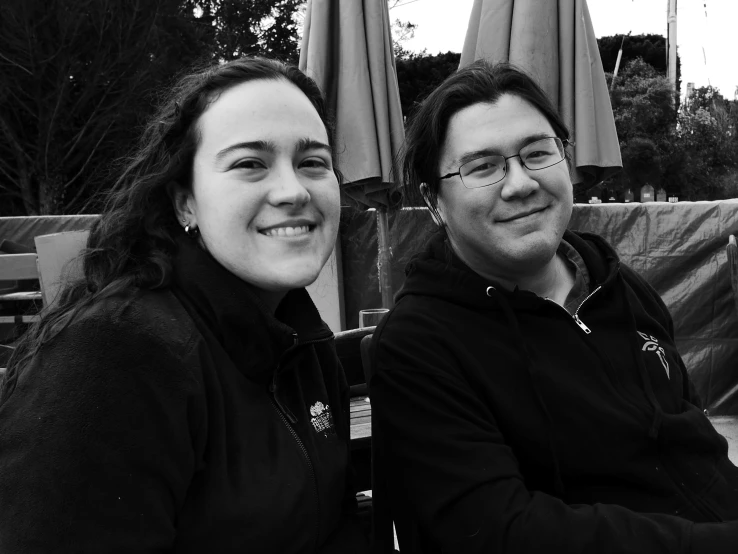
x=287, y=188
x=517, y=183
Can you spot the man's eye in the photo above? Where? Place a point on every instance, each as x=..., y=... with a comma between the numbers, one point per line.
x=537, y=154
x=484, y=167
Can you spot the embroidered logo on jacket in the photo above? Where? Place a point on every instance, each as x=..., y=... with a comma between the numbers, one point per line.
x=652, y=345
x=322, y=419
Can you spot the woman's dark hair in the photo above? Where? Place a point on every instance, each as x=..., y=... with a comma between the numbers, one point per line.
x=479, y=82
x=133, y=242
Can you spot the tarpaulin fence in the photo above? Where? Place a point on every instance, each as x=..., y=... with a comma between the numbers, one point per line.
x=680, y=249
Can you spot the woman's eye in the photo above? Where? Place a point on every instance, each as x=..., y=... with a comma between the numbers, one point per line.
x=315, y=164
x=249, y=164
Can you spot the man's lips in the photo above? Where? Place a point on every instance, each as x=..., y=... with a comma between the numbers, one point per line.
x=521, y=215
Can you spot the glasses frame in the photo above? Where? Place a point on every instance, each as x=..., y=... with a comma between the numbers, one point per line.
x=564, y=144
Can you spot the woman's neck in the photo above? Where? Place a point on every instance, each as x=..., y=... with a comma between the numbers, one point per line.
x=270, y=299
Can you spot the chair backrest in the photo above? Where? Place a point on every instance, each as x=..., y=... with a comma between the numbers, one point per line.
x=348, y=348
x=16, y=267
x=366, y=358
x=59, y=261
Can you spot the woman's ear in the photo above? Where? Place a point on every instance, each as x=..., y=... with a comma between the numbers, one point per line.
x=182, y=202
x=433, y=209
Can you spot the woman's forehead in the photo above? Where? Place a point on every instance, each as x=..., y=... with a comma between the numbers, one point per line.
x=263, y=110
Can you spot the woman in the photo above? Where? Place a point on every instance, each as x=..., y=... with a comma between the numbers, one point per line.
x=527, y=393
x=185, y=395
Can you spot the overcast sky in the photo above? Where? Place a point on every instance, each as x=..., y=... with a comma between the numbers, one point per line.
x=442, y=26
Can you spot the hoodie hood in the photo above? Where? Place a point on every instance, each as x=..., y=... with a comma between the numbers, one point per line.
x=439, y=272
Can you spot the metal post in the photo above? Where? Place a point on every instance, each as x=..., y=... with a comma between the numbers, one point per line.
x=672, y=44
x=384, y=269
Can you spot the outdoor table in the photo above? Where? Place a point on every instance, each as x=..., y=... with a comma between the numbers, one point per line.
x=361, y=424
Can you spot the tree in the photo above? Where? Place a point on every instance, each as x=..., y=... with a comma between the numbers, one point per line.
x=77, y=78
x=642, y=102
x=693, y=154
x=419, y=74
x=402, y=31
x=649, y=48
x=645, y=117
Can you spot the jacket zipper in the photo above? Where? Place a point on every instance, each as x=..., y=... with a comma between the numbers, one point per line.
x=289, y=418
x=313, y=479
x=575, y=315
x=697, y=502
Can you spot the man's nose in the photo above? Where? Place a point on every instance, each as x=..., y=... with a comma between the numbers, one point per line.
x=517, y=183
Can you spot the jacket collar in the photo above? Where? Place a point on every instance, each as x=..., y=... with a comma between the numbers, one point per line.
x=438, y=271
x=231, y=310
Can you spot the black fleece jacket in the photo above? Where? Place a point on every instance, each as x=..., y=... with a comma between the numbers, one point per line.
x=187, y=419
x=504, y=424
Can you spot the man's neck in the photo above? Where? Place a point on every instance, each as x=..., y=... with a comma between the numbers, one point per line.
x=554, y=281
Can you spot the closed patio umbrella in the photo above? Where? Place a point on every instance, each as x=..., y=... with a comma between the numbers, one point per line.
x=553, y=40
x=347, y=49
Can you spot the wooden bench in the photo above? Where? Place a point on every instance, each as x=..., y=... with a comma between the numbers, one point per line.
x=19, y=267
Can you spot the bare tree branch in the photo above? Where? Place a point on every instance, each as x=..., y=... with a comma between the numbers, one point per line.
x=16, y=64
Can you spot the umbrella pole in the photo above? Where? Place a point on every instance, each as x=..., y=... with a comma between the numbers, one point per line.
x=383, y=258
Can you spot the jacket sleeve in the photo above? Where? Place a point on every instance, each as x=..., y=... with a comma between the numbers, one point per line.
x=450, y=470
x=96, y=438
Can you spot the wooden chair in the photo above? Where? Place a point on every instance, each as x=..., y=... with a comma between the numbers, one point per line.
x=56, y=260
x=14, y=268
x=59, y=261
x=18, y=267
x=732, y=250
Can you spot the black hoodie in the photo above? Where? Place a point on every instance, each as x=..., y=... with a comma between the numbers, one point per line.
x=505, y=424
x=187, y=419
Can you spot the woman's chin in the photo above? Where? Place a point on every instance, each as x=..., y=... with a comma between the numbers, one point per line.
x=287, y=279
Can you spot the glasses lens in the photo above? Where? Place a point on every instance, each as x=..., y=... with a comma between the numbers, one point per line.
x=542, y=153
x=482, y=171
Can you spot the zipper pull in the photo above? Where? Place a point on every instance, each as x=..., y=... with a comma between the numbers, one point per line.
x=581, y=324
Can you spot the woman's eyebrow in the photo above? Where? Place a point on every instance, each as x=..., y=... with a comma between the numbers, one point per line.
x=268, y=146
x=262, y=145
x=310, y=144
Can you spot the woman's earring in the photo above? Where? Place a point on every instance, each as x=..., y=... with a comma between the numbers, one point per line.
x=191, y=231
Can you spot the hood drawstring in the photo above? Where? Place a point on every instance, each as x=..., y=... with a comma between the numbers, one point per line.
x=523, y=347
x=658, y=414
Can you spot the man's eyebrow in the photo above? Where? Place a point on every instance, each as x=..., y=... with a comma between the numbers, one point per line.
x=263, y=145
x=469, y=156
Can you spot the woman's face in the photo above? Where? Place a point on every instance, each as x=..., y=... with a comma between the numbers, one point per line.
x=264, y=195
x=509, y=230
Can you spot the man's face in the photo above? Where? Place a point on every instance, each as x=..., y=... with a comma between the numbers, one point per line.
x=509, y=230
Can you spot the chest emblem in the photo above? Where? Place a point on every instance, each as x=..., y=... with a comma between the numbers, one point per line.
x=652, y=345
x=322, y=419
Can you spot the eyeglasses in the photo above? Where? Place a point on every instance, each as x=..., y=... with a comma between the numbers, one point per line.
x=488, y=170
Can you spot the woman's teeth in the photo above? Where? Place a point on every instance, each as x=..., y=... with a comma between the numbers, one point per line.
x=287, y=231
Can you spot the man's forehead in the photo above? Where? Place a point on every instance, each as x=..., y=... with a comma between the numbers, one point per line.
x=492, y=127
